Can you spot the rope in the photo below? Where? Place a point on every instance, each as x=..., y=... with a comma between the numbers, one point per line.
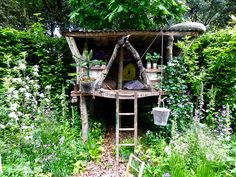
x=162, y=43
x=149, y=46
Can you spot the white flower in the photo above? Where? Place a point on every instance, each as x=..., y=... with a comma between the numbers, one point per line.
x=13, y=107
x=13, y=115
x=11, y=89
x=2, y=126
x=28, y=137
x=48, y=87
x=35, y=74
x=27, y=95
x=36, y=68
x=22, y=89
x=22, y=66
x=168, y=150
x=41, y=95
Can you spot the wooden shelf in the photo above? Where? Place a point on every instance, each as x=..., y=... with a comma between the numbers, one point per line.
x=123, y=94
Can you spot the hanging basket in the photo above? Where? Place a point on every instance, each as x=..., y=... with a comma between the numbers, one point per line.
x=160, y=115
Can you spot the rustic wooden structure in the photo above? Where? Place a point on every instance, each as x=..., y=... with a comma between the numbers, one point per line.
x=118, y=48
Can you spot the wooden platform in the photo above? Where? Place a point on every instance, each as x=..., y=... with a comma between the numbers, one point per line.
x=124, y=94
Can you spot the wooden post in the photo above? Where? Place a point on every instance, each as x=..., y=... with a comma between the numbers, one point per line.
x=169, y=48
x=120, y=71
x=1, y=164
x=84, y=118
x=76, y=55
x=135, y=118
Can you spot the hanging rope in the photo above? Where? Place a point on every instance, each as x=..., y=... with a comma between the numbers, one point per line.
x=162, y=43
x=149, y=45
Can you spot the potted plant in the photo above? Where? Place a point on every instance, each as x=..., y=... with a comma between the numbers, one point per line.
x=148, y=57
x=155, y=59
x=86, y=81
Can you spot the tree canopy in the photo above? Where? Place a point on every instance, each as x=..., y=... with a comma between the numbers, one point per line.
x=212, y=13
x=116, y=14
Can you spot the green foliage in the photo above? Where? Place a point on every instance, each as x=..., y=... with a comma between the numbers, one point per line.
x=214, y=13
x=211, y=61
x=198, y=152
x=36, y=136
x=155, y=57
x=179, y=99
x=113, y=14
x=51, y=54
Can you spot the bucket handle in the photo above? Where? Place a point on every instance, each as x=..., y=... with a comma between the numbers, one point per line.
x=161, y=101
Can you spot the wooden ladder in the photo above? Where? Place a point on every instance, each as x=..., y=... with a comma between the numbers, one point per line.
x=120, y=97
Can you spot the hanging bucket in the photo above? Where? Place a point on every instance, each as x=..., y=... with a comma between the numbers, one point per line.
x=160, y=115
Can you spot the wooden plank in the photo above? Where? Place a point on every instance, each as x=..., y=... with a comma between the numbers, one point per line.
x=126, y=129
x=120, y=71
x=133, y=33
x=117, y=127
x=126, y=114
x=135, y=118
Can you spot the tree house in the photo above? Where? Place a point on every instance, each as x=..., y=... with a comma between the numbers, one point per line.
x=124, y=54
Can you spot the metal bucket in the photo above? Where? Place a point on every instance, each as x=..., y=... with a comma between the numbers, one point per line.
x=160, y=115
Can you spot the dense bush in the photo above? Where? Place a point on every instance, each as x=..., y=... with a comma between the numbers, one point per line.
x=212, y=69
x=51, y=54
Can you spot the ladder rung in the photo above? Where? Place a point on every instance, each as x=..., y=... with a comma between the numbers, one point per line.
x=126, y=144
x=126, y=114
x=126, y=129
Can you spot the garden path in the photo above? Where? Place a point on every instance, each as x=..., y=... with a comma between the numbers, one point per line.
x=107, y=166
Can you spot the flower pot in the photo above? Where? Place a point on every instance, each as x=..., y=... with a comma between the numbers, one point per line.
x=154, y=65
x=160, y=115
x=87, y=87
x=149, y=65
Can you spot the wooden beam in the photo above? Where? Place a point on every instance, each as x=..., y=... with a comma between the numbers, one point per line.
x=94, y=34
x=98, y=82
x=120, y=71
x=169, y=48
x=76, y=55
x=84, y=118
x=141, y=68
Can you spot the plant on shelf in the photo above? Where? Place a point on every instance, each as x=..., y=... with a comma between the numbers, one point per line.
x=86, y=62
x=148, y=57
x=152, y=60
x=155, y=59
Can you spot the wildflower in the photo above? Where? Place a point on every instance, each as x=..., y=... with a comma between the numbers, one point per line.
x=35, y=74
x=148, y=133
x=27, y=95
x=223, y=113
x=166, y=174
x=36, y=68
x=2, y=126
x=210, y=157
x=22, y=89
x=167, y=150
x=48, y=87
x=13, y=115
x=22, y=66
x=13, y=107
